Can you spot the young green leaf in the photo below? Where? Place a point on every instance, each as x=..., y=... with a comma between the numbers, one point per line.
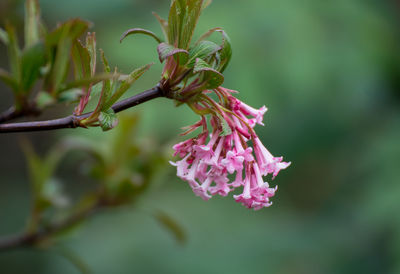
x=202, y=50
x=44, y=99
x=85, y=82
x=14, y=53
x=207, y=34
x=91, y=48
x=165, y=50
x=105, y=94
x=163, y=24
x=38, y=175
x=59, y=68
x=106, y=89
x=41, y=171
x=8, y=80
x=174, y=23
x=108, y=119
x=194, y=8
x=182, y=20
x=59, y=44
x=212, y=78
x=126, y=84
x=32, y=22
x=81, y=60
x=100, y=104
x=142, y=31
x=4, y=37
x=32, y=59
x=70, y=95
x=105, y=61
x=226, y=129
x=72, y=29
x=226, y=51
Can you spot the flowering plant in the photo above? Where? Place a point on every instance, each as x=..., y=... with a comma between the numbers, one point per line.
x=226, y=154
x=192, y=75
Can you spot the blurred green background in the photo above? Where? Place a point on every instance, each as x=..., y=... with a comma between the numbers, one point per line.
x=329, y=72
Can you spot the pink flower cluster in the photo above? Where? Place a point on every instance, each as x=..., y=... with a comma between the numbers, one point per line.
x=207, y=160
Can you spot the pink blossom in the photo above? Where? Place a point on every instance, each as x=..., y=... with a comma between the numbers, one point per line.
x=238, y=180
x=267, y=163
x=233, y=161
x=183, y=148
x=258, y=114
x=206, y=165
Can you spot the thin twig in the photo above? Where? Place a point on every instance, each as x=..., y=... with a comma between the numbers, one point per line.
x=73, y=121
x=33, y=238
x=8, y=114
x=12, y=113
x=30, y=239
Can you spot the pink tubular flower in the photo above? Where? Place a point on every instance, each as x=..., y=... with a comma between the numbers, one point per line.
x=206, y=165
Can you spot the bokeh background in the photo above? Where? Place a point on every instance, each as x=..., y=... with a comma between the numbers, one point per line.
x=329, y=72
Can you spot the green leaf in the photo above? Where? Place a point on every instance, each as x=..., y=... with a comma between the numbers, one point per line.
x=163, y=24
x=202, y=50
x=165, y=50
x=212, y=78
x=59, y=69
x=106, y=89
x=70, y=96
x=4, y=37
x=142, y=31
x=53, y=193
x=8, y=80
x=105, y=94
x=193, y=10
x=59, y=43
x=97, y=88
x=13, y=53
x=86, y=82
x=32, y=22
x=45, y=69
x=226, y=129
x=91, y=47
x=32, y=59
x=226, y=48
x=37, y=173
x=172, y=226
x=41, y=171
x=105, y=62
x=108, y=119
x=100, y=104
x=126, y=84
x=81, y=60
x=182, y=20
x=44, y=99
x=207, y=34
x=174, y=23
x=226, y=51
x=73, y=28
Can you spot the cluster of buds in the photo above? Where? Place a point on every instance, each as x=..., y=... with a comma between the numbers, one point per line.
x=208, y=159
